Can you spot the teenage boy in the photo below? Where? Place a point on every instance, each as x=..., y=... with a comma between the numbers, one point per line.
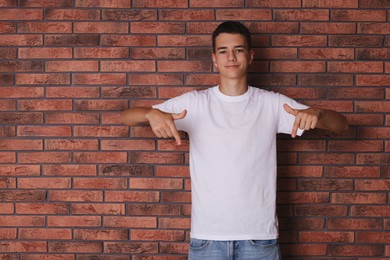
x=232, y=129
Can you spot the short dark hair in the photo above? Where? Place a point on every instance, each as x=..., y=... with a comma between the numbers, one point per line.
x=232, y=27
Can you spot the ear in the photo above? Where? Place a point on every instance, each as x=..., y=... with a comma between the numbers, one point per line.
x=251, y=55
x=214, y=60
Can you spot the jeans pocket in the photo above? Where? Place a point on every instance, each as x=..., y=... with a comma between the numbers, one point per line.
x=263, y=243
x=198, y=244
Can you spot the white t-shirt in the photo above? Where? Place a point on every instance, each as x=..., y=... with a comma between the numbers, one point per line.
x=233, y=160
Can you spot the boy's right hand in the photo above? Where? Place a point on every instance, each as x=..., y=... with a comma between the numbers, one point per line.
x=163, y=125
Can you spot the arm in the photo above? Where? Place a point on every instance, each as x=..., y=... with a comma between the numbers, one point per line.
x=314, y=117
x=162, y=123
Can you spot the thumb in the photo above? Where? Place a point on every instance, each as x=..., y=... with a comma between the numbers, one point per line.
x=180, y=115
x=290, y=110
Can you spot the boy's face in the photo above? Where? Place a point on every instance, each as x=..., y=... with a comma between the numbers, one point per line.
x=231, y=56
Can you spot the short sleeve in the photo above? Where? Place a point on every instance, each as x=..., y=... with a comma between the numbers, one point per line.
x=286, y=120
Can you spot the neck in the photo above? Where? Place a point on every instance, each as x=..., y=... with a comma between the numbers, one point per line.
x=233, y=87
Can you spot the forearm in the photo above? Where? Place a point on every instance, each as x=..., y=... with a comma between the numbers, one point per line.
x=332, y=121
x=135, y=116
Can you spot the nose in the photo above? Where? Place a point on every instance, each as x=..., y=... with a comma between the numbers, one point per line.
x=231, y=56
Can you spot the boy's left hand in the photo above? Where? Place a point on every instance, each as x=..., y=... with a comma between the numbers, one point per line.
x=305, y=119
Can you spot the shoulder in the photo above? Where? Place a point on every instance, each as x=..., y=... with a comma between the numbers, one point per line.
x=262, y=93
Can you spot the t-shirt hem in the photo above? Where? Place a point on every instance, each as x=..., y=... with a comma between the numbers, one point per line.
x=235, y=238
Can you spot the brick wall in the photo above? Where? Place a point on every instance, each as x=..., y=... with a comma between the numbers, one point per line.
x=76, y=184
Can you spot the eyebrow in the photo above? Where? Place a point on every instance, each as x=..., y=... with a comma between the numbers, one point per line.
x=237, y=46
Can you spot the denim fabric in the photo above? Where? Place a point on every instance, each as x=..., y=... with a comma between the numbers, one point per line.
x=234, y=250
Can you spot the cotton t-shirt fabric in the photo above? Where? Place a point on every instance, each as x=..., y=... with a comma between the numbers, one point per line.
x=233, y=160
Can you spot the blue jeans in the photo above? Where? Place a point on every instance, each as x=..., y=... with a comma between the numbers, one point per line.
x=234, y=250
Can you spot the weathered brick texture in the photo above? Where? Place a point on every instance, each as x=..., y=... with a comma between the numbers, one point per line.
x=75, y=184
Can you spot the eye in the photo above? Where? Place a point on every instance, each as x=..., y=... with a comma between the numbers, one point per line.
x=239, y=50
x=222, y=52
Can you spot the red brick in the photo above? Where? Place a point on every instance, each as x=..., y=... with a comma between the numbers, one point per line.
x=96, y=53
x=8, y=3
x=356, y=146
x=318, y=236
x=44, y=131
x=354, y=250
x=45, y=233
x=44, y=183
x=128, y=66
x=7, y=27
x=330, y=3
x=319, y=185
x=244, y=14
x=157, y=27
x=75, y=196
x=297, y=66
x=8, y=208
x=104, y=105
x=7, y=183
x=22, y=92
x=372, y=80
x=128, y=145
x=373, y=185
x=326, y=53
x=158, y=53
x=45, y=27
x=321, y=210
x=373, y=28
x=100, y=157
x=127, y=40
x=355, y=94
x=372, y=106
x=302, y=197
x=306, y=249
x=176, y=197
x=97, y=234
x=44, y=105
x=274, y=3
x=101, y=209
x=186, y=15
x=370, y=211
x=7, y=157
x=22, y=221
x=21, y=144
x=44, y=157
x=46, y=3
x=325, y=80
x=20, y=247
x=45, y=53
x=129, y=222
x=41, y=208
x=179, y=40
x=68, y=66
x=39, y=79
x=8, y=53
x=72, y=118
x=126, y=170
x=160, y=4
x=176, y=223
x=328, y=28
x=18, y=195
x=132, y=196
x=362, y=119
x=101, y=27
x=170, y=92
x=8, y=233
x=355, y=41
x=157, y=235
x=128, y=92
x=300, y=171
x=100, y=183
x=153, y=210
x=355, y=67
x=359, y=198
x=19, y=170
x=75, y=247
x=103, y=3
x=354, y=224
x=111, y=119
x=374, y=4
x=170, y=145
x=373, y=133
x=301, y=15
x=155, y=79
x=129, y=14
x=22, y=14
x=21, y=40
x=201, y=79
x=341, y=106
x=101, y=131
x=372, y=237
x=219, y=3
x=72, y=14
x=99, y=79
x=373, y=53
x=130, y=248
x=358, y=15
x=8, y=105
x=184, y=66
x=299, y=40
x=21, y=66
x=72, y=40
x=73, y=221
x=79, y=144
x=154, y=157
x=154, y=183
